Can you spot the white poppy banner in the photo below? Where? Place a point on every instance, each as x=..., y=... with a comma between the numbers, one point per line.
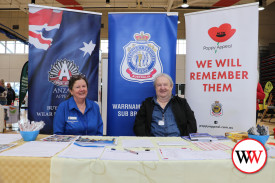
x=221, y=67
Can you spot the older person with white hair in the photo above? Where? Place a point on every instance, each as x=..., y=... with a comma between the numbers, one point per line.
x=164, y=114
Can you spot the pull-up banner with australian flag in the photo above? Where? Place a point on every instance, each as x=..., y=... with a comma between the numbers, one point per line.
x=63, y=43
x=141, y=45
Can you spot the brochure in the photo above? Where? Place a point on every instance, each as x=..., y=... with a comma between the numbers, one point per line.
x=186, y=138
x=201, y=137
x=95, y=142
x=59, y=138
x=220, y=137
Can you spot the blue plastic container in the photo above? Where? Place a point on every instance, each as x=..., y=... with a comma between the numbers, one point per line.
x=260, y=138
x=29, y=135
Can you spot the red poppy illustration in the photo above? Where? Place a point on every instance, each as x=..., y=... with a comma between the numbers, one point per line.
x=222, y=33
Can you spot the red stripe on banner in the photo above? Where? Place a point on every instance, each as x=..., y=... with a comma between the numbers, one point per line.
x=38, y=36
x=68, y=2
x=224, y=3
x=45, y=16
x=75, y=8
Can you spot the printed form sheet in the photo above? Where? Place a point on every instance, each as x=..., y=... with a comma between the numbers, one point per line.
x=8, y=138
x=188, y=154
x=36, y=149
x=78, y=152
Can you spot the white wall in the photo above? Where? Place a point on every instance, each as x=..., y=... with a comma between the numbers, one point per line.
x=11, y=66
x=180, y=69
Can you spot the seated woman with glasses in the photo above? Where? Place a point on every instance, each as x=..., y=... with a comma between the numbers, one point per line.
x=78, y=115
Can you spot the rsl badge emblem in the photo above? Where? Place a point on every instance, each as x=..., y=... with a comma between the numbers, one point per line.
x=216, y=109
x=141, y=60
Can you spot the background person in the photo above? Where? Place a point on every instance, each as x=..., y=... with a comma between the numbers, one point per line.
x=78, y=115
x=164, y=114
x=10, y=94
x=3, y=94
x=260, y=96
x=2, y=89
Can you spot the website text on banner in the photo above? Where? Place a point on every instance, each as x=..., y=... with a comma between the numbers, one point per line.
x=63, y=43
x=141, y=45
x=221, y=67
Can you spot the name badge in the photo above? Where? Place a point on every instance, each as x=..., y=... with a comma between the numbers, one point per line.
x=72, y=119
x=161, y=123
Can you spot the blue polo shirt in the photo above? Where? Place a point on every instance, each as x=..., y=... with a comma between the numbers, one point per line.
x=68, y=120
x=170, y=127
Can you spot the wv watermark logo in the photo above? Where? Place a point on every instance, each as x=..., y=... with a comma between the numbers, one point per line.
x=249, y=156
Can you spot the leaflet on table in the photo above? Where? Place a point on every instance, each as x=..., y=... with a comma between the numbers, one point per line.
x=129, y=143
x=210, y=146
x=8, y=138
x=60, y=138
x=200, y=136
x=205, y=137
x=78, y=152
x=271, y=153
x=36, y=149
x=5, y=146
x=186, y=138
x=172, y=143
x=95, y=142
x=220, y=137
x=189, y=154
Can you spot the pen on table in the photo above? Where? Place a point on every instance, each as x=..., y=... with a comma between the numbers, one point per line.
x=202, y=140
x=131, y=151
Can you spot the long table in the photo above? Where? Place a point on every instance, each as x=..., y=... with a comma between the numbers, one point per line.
x=25, y=169
x=68, y=170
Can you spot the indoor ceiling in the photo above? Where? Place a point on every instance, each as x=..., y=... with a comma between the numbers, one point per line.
x=140, y=5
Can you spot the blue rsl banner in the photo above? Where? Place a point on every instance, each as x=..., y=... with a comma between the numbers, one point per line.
x=63, y=43
x=141, y=45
